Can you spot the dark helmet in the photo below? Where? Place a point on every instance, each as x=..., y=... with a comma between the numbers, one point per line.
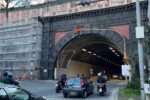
x=5, y=74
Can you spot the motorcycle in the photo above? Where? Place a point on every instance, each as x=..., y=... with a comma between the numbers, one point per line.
x=101, y=88
x=59, y=86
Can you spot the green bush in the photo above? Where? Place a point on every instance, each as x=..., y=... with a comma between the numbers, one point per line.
x=131, y=92
x=132, y=88
x=135, y=85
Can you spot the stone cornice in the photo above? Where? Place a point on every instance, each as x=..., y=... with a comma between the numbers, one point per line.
x=109, y=10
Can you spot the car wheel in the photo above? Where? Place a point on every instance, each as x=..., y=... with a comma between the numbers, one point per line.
x=85, y=94
x=65, y=96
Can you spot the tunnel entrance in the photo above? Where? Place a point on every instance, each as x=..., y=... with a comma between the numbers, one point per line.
x=90, y=51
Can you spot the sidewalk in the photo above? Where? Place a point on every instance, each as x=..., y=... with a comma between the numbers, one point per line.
x=53, y=81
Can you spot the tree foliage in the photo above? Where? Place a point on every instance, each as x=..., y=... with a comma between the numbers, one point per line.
x=17, y=2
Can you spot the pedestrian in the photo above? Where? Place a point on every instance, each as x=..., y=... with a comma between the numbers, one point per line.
x=82, y=75
x=11, y=80
x=78, y=75
x=5, y=79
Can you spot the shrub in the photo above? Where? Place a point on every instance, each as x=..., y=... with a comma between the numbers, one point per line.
x=132, y=88
x=134, y=85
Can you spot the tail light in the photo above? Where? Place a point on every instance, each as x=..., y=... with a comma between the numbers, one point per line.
x=100, y=86
x=66, y=83
x=58, y=82
x=82, y=83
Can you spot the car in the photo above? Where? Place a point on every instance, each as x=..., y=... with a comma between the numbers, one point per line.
x=121, y=77
x=11, y=92
x=78, y=86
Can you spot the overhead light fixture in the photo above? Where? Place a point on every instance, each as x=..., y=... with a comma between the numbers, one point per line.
x=110, y=48
x=113, y=50
x=83, y=49
x=118, y=55
x=89, y=52
x=94, y=54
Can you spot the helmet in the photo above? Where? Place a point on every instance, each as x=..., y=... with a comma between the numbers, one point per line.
x=99, y=74
x=5, y=73
x=62, y=73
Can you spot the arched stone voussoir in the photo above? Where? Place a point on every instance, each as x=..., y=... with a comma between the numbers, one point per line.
x=62, y=42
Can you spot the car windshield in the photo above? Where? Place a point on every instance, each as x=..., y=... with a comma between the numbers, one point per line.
x=74, y=82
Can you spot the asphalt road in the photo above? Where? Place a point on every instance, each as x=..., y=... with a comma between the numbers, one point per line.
x=47, y=89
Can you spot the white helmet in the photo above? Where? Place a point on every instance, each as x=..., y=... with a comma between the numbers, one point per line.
x=99, y=74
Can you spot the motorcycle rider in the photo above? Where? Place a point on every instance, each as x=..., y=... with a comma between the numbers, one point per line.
x=101, y=79
x=5, y=79
x=62, y=78
x=12, y=81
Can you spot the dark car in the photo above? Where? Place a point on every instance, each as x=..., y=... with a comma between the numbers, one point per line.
x=78, y=86
x=11, y=92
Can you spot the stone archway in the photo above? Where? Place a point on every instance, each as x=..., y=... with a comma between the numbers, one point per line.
x=113, y=37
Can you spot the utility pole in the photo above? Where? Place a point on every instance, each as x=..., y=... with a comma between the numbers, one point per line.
x=140, y=36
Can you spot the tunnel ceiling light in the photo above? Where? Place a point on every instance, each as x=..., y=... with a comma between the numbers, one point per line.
x=83, y=49
x=113, y=50
x=94, y=54
x=118, y=55
x=89, y=52
x=110, y=48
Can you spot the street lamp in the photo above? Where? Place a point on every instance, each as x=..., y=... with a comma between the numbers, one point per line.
x=139, y=33
x=57, y=71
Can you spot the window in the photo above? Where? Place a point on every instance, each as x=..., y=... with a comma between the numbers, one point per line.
x=18, y=94
x=25, y=13
x=48, y=9
x=30, y=13
x=73, y=5
x=54, y=9
x=3, y=95
x=15, y=14
x=36, y=12
x=45, y=9
x=4, y=16
x=63, y=7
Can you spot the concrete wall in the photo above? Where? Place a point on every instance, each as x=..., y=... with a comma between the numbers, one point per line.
x=79, y=67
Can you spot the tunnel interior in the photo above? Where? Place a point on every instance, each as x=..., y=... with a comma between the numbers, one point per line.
x=84, y=52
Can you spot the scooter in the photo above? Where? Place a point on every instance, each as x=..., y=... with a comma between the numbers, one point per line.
x=101, y=88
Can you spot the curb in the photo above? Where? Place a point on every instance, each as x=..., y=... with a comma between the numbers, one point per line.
x=115, y=96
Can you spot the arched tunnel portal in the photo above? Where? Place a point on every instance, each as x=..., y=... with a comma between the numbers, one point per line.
x=86, y=51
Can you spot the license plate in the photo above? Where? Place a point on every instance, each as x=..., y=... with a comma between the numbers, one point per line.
x=100, y=90
x=73, y=93
x=56, y=85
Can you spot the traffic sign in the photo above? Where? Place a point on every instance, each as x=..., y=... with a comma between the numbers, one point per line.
x=126, y=70
x=91, y=72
